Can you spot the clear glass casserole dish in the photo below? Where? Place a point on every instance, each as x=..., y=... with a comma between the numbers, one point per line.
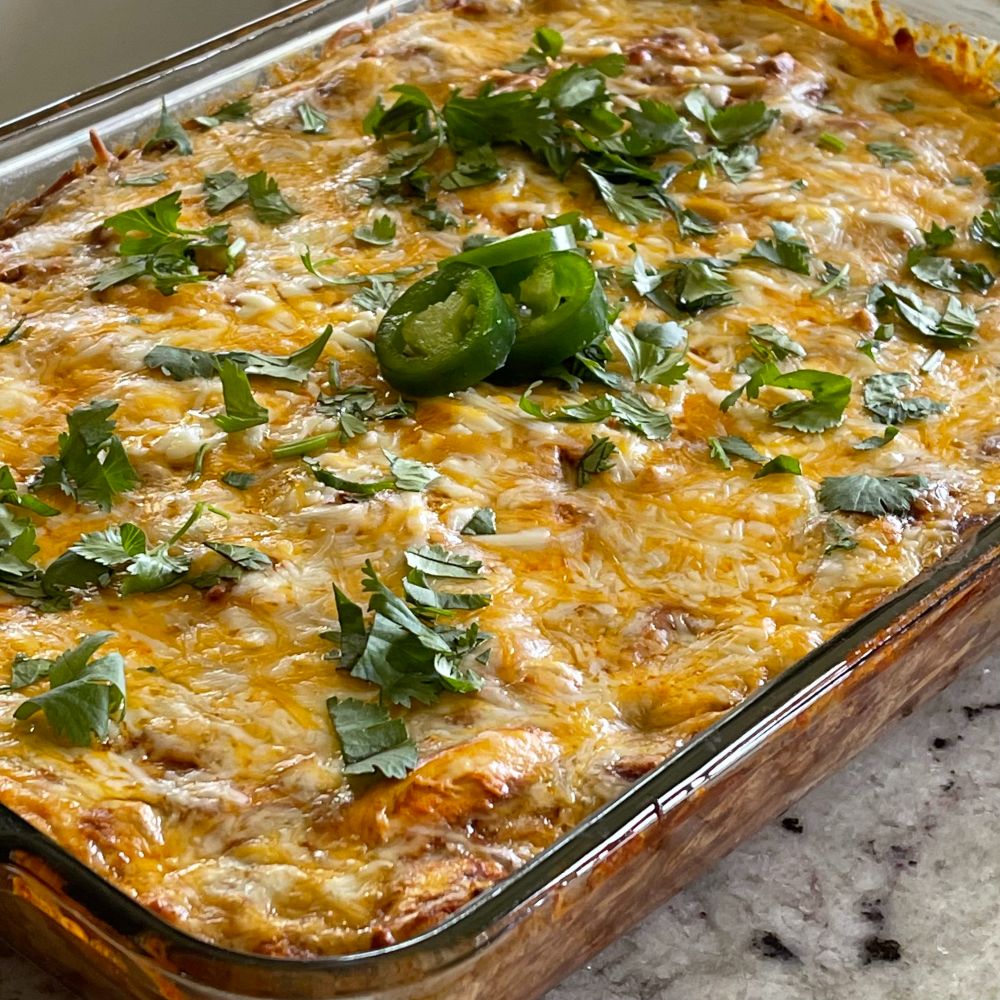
x=527, y=932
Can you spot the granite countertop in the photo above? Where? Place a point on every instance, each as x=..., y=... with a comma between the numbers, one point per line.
x=883, y=883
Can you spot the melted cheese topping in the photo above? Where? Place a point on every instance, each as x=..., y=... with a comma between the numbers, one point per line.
x=628, y=614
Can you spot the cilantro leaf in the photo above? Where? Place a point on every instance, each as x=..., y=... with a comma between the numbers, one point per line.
x=92, y=465
x=153, y=244
x=723, y=448
x=628, y=408
x=266, y=201
x=686, y=286
x=144, y=180
x=787, y=249
x=223, y=190
x=84, y=694
x=956, y=326
x=890, y=152
x=883, y=398
x=583, y=228
x=830, y=396
x=548, y=45
x=729, y=126
x=654, y=352
x=238, y=480
x=877, y=440
x=985, y=229
x=10, y=496
x=787, y=464
x=241, y=409
x=628, y=202
x=181, y=363
x=379, y=233
x=431, y=603
x=436, y=560
x=837, y=536
x=112, y=547
x=874, y=495
x=233, y=112
x=768, y=343
x=833, y=277
x=169, y=134
x=740, y=122
x=28, y=670
x=328, y=478
x=599, y=457
x=313, y=120
x=241, y=555
x=370, y=740
x=409, y=475
x=474, y=166
x=482, y=522
x=635, y=413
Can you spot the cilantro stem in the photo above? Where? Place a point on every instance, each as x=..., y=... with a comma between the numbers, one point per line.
x=304, y=446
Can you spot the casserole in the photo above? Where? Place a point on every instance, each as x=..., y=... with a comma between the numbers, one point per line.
x=25, y=885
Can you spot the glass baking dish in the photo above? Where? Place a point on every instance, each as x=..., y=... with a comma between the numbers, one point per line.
x=527, y=932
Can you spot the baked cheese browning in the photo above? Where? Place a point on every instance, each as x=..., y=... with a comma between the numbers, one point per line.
x=630, y=608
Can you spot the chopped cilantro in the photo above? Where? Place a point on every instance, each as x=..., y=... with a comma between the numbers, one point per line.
x=152, y=244
x=833, y=277
x=84, y=694
x=837, y=536
x=548, y=45
x=238, y=480
x=874, y=495
x=883, y=398
x=831, y=142
x=143, y=180
x=370, y=739
x=407, y=658
x=182, y=363
x=654, y=352
x=313, y=120
x=266, y=201
x=234, y=112
x=169, y=134
x=780, y=464
x=723, y=448
x=15, y=333
x=890, y=152
x=599, y=457
x=92, y=465
x=482, y=522
x=242, y=411
x=877, y=440
x=379, y=233
x=786, y=249
x=955, y=327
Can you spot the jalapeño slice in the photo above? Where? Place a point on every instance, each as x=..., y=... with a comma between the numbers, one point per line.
x=561, y=309
x=520, y=246
x=445, y=333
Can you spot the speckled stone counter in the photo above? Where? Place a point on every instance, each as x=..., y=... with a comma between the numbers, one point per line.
x=882, y=884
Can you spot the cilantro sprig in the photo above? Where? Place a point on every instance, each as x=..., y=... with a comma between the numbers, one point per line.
x=92, y=465
x=84, y=694
x=152, y=244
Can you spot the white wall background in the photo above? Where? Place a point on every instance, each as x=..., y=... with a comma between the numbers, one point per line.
x=52, y=48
